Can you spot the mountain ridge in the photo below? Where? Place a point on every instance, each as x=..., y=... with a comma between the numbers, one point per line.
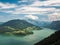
x=54, y=25
x=18, y=26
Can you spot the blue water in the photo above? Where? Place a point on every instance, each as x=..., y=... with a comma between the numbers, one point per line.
x=26, y=40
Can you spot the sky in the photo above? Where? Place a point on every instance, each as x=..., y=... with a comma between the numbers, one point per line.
x=41, y=10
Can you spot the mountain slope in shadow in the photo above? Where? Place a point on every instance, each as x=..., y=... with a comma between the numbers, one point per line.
x=54, y=25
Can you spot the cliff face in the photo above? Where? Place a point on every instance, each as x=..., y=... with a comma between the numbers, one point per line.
x=54, y=39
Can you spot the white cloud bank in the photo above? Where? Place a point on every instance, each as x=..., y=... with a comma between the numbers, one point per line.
x=6, y=5
x=47, y=3
x=32, y=17
x=33, y=9
x=54, y=16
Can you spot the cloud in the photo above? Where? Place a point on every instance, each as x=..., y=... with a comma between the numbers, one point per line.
x=6, y=5
x=47, y=3
x=35, y=7
x=29, y=9
x=54, y=16
x=37, y=3
x=32, y=17
x=32, y=10
x=22, y=1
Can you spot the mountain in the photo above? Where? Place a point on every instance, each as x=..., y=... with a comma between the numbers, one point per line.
x=18, y=26
x=54, y=25
x=54, y=39
x=1, y=23
x=38, y=23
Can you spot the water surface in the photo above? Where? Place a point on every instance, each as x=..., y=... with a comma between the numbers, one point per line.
x=26, y=40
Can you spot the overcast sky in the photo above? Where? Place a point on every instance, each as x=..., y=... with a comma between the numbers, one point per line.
x=42, y=10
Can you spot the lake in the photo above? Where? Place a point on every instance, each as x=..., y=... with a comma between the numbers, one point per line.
x=26, y=40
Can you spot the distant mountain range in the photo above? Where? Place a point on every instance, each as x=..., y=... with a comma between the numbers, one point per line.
x=1, y=23
x=38, y=23
x=18, y=27
x=54, y=39
x=54, y=25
